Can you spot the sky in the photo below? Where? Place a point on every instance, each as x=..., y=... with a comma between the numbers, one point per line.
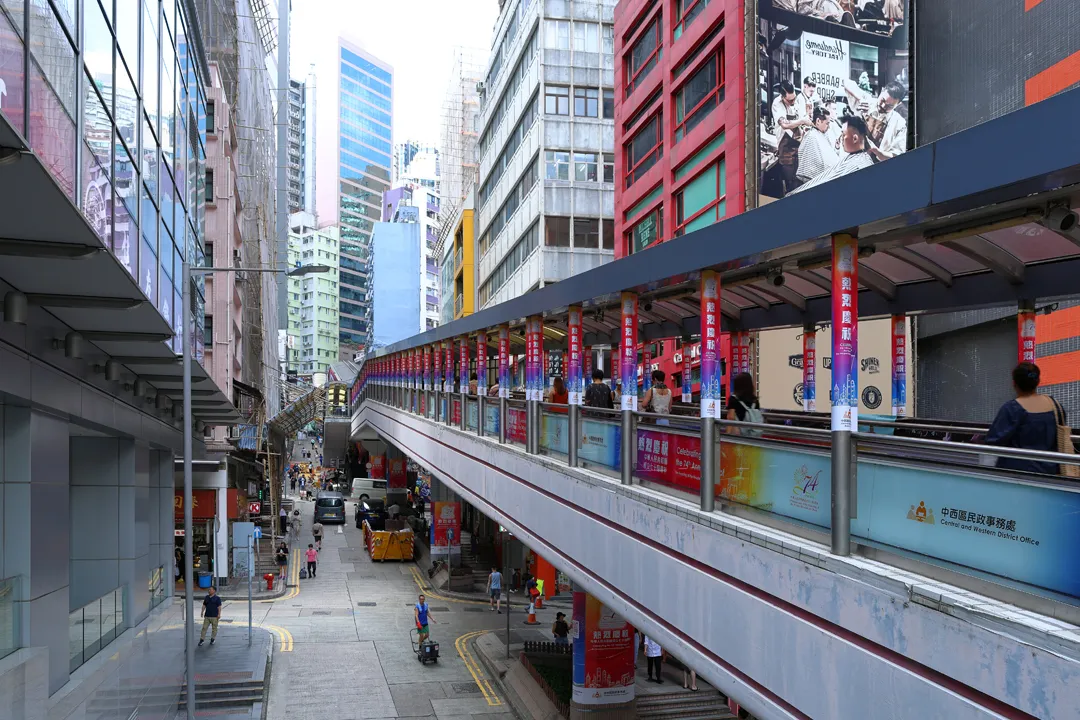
x=416, y=37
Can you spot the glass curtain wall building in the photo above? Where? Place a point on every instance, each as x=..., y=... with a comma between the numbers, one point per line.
x=135, y=163
x=354, y=162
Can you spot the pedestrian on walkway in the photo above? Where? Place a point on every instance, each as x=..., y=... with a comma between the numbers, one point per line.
x=691, y=674
x=211, y=614
x=494, y=586
x=655, y=657
x=282, y=559
x=312, y=560
x=316, y=531
x=422, y=615
x=283, y=516
x=658, y=398
x=560, y=629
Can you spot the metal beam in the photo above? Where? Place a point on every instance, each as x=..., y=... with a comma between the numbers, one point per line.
x=151, y=360
x=743, y=292
x=813, y=278
x=871, y=278
x=178, y=391
x=83, y=301
x=168, y=378
x=923, y=263
x=53, y=250
x=108, y=336
x=784, y=294
x=991, y=256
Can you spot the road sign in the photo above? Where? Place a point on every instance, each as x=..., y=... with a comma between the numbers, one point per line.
x=258, y=533
x=254, y=507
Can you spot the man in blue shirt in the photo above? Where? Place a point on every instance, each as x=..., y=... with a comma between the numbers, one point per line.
x=422, y=615
x=211, y=614
x=494, y=584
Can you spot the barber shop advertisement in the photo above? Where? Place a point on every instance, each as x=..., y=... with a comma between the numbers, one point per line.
x=833, y=80
x=446, y=529
x=603, y=654
x=1020, y=532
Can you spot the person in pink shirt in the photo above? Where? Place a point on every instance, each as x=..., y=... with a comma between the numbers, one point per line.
x=312, y=557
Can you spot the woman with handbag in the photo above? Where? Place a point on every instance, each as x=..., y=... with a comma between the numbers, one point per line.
x=1033, y=422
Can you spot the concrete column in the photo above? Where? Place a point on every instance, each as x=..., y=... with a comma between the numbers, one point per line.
x=36, y=531
x=603, y=679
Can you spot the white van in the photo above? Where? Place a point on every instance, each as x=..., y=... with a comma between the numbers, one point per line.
x=366, y=486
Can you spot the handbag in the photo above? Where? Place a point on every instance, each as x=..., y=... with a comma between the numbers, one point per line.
x=303, y=573
x=1064, y=443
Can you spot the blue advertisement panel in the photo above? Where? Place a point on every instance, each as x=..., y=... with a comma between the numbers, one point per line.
x=491, y=418
x=599, y=442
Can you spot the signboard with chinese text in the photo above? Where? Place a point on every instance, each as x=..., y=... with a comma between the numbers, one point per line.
x=481, y=363
x=899, y=365
x=575, y=380
x=603, y=654
x=534, y=358
x=504, y=362
x=446, y=529
x=448, y=366
x=463, y=365
x=809, y=363
x=711, y=370
x=628, y=351
x=203, y=504
x=1025, y=330
x=687, y=376
x=845, y=336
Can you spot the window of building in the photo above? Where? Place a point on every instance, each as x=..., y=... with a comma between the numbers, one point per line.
x=647, y=231
x=556, y=100
x=211, y=128
x=209, y=186
x=608, y=34
x=586, y=37
x=702, y=201
x=643, y=150
x=609, y=167
x=208, y=253
x=607, y=236
x=609, y=104
x=586, y=102
x=585, y=167
x=699, y=96
x=557, y=231
x=587, y=233
x=208, y=328
x=686, y=11
x=643, y=56
x=557, y=34
x=557, y=165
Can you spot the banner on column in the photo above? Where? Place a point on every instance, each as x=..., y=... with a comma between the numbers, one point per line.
x=587, y=366
x=687, y=374
x=534, y=358
x=377, y=469
x=436, y=368
x=504, y=362
x=628, y=350
x=574, y=376
x=711, y=371
x=448, y=366
x=646, y=369
x=427, y=368
x=809, y=371
x=463, y=366
x=398, y=475
x=446, y=529
x=899, y=365
x=481, y=363
x=845, y=333
x=1025, y=326
x=603, y=654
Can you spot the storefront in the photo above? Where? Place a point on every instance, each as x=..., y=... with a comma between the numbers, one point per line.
x=213, y=510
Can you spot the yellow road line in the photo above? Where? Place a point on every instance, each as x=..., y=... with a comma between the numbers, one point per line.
x=474, y=668
x=294, y=580
x=284, y=636
x=421, y=582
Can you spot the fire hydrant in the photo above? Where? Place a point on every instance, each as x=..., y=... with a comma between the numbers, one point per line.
x=269, y=578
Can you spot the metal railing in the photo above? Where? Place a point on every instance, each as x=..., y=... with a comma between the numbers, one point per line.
x=784, y=467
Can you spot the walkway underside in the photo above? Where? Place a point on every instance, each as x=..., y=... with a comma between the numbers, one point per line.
x=770, y=618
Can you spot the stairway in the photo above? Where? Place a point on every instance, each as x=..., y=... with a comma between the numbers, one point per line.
x=480, y=564
x=220, y=699
x=707, y=704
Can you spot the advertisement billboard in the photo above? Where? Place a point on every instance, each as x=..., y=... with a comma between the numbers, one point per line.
x=603, y=654
x=446, y=529
x=833, y=79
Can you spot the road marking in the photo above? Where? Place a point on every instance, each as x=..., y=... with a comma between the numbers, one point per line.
x=284, y=636
x=429, y=592
x=340, y=530
x=294, y=580
x=475, y=669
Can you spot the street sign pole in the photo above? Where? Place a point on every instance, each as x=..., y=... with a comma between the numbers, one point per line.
x=506, y=582
x=251, y=574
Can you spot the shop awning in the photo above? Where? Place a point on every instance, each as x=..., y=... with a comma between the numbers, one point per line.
x=307, y=408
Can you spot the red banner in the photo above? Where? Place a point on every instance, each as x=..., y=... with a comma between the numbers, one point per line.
x=378, y=467
x=203, y=505
x=436, y=373
x=515, y=425
x=446, y=527
x=674, y=460
x=628, y=351
x=236, y=504
x=455, y=415
x=448, y=366
x=1025, y=329
x=574, y=375
x=398, y=477
x=481, y=363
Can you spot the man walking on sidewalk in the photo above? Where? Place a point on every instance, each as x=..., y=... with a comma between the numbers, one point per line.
x=494, y=586
x=211, y=615
x=312, y=560
x=316, y=531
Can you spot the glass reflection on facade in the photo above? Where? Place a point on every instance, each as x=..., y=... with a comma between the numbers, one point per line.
x=136, y=165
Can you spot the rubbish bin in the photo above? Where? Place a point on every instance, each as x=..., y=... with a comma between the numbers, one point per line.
x=204, y=579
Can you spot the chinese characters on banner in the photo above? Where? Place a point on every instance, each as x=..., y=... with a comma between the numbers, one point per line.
x=1025, y=326
x=899, y=365
x=504, y=361
x=573, y=366
x=515, y=425
x=446, y=529
x=646, y=369
x=534, y=358
x=668, y=458
x=586, y=367
x=412, y=370
x=845, y=333
x=628, y=350
x=809, y=371
x=711, y=377
x=427, y=369
x=436, y=369
x=463, y=365
x=615, y=366
x=448, y=366
x=481, y=363
x=687, y=377
x=398, y=476
x=743, y=365
x=603, y=654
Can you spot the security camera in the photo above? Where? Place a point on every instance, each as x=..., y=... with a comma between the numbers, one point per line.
x=648, y=307
x=1060, y=219
x=776, y=277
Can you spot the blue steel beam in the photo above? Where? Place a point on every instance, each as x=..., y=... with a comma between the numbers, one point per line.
x=953, y=175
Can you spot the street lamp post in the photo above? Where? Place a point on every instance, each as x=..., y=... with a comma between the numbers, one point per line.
x=189, y=581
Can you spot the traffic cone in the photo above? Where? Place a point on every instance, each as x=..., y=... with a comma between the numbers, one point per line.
x=531, y=620
x=539, y=602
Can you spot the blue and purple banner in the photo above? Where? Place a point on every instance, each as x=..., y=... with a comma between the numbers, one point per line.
x=448, y=366
x=574, y=376
x=427, y=369
x=646, y=369
x=809, y=371
x=628, y=350
x=504, y=361
x=687, y=374
x=481, y=362
x=436, y=367
x=711, y=371
x=463, y=365
x=534, y=358
x=899, y=365
x=845, y=333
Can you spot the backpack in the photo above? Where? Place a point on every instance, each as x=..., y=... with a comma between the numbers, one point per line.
x=753, y=415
